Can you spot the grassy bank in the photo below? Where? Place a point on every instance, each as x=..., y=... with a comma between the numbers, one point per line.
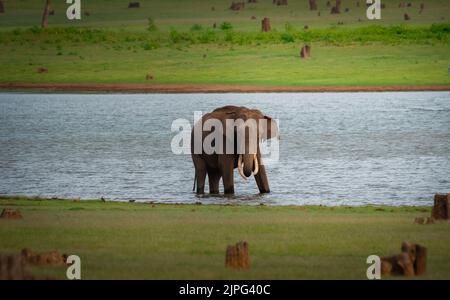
x=176, y=42
x=133, y=240
x=271, y=64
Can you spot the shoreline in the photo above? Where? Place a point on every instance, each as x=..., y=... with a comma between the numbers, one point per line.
x=199, y=203
x=208, y=88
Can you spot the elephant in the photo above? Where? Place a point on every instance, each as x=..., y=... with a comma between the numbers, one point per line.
x=245, y=151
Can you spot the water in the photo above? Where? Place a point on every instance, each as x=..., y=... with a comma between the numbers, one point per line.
x=335, y=148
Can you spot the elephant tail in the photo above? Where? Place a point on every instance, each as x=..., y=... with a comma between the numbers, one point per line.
x=195, y=180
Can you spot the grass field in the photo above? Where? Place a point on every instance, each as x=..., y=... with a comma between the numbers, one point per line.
x=182, y=14
x=157, y=241
x=115, y=46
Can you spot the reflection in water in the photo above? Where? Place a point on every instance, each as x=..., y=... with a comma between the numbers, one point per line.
x=335, y=148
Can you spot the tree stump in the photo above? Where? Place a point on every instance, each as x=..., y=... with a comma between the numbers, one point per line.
x=134, y=5
x=44, y=22
x=280, y=2
x=42, y=70
x=441, y=208
x=2, y=7
x=411, y=261
x=312, y=5
x=305, y=52
x=9, y=213
x=237, y=256
x=265, y=25
x=237, y=5
x=420, y=265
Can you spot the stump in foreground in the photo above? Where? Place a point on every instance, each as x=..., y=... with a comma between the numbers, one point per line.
x=412, y=261
x=441, y=208
x=237, y=256
x=265, y=25
x=9, y=213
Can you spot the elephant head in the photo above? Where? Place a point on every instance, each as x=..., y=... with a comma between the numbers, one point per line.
x=249, y=128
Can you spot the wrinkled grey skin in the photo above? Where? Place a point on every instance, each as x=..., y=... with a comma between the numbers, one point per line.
x=217, y=166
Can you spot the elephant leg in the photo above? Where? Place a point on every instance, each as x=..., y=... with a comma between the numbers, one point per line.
x=200, y=173
x=227, y=169
x=214, y=180
x=261, y=178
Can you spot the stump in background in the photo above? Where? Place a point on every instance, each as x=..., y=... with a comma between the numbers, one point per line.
x=312, y=5
x=265, y=25
x=441, y=208
x=134, y=5
x=280, y=2
x=337, y=8
x=44, y=22
x=305, y=52
x=237, y=5
x=237, y=256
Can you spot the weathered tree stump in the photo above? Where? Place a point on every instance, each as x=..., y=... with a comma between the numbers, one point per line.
x=237, y=5
x=280, y=2
x=134, y=5
x=265, y=25
x=42, y=70
x=44, y=22
x=411, y=261
x=406, y=17
x=420, y=265
x=305, y=52
x=2, y=7
x=441, y=208
x=9, y=213
x=237, y=256
x=13, y=268
x=312, y=5
x=51, y=258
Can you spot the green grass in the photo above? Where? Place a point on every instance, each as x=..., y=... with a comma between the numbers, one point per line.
x=277, y=65
x=135, y=240
x=114, y=45
x=182, y=14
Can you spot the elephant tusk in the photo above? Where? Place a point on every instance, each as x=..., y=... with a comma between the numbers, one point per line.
x=241, y=171
x=255, y=161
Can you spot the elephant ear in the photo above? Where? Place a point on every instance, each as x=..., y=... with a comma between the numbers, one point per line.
x=269, y=128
